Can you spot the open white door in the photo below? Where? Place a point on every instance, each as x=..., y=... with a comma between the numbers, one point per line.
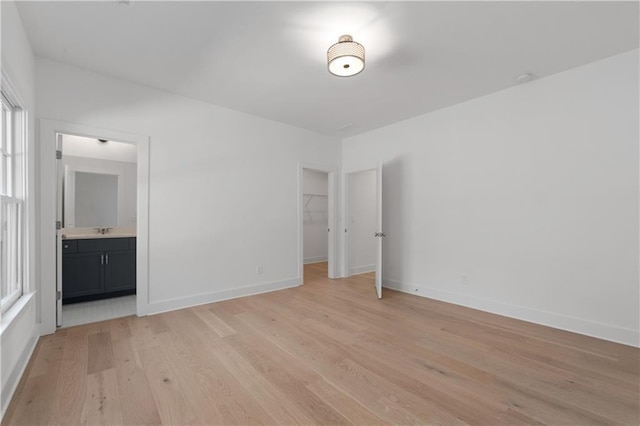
x=59, y=203
x=379, y=234
x=69, y=197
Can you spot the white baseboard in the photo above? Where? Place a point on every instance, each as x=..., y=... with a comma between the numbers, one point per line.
x=218, y=296
x=564, y=322
x=315, y=259
x=362, y=269
x=16, y=374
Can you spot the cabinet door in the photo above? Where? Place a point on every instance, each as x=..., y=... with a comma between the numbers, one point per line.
x=120, y=270
x=81, y=274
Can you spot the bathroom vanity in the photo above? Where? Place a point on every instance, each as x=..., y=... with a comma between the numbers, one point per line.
x=98, y=266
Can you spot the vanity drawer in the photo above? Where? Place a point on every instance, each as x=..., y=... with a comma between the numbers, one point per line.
x=103, y=244
x=69, y=246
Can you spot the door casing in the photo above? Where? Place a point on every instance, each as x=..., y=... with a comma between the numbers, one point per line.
x=49, y=129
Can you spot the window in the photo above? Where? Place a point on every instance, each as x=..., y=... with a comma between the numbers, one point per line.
x=12, y=196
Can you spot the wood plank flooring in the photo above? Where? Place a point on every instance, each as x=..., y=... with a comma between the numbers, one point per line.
x=328, y=352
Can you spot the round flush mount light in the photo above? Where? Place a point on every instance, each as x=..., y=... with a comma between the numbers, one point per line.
x=346, y=57
x=103, y=140
x=524, y=78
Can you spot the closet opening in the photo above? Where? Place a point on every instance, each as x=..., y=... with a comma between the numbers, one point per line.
x=315, y=222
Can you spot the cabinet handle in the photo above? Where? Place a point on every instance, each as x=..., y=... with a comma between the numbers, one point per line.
x=102, y=259
x=107, y=259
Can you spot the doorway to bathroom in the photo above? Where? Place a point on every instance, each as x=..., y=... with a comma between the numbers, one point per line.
x=96, y=235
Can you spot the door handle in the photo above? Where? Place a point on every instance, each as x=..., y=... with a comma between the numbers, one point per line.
x=102, y=259
x=107, y=262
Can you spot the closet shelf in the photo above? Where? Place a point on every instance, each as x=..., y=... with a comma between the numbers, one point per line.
x=309, y=196
x=309, y=213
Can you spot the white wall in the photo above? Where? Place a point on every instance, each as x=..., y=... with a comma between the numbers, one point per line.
x=127, y=189
x=18, y=331
x=224, y=194
x=532, y=192
x=362, y=222
x=315, y=215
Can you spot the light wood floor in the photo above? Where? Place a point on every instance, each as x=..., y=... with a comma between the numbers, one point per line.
x=328, y=352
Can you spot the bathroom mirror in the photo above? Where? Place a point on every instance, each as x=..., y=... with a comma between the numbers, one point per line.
x=90, y=199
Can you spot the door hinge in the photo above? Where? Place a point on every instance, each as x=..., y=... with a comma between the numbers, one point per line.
x=58, y=155
x=379, y=234
x=58, y=295
x=58, y=224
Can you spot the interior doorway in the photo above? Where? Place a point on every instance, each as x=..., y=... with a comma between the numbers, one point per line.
x=97, y=183
x=316, y=220
x=361, y=222
x=363, y=225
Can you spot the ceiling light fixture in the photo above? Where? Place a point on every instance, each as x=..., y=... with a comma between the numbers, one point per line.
x=346, y=57
x=524, y=78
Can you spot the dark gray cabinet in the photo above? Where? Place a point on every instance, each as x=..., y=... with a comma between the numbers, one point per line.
x=82, y=274
x=98, y=268
x=120, y=270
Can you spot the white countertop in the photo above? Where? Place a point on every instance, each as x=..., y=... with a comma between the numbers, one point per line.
x=90, y=233
x=91, y=236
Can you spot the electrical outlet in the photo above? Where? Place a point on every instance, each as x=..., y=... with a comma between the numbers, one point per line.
x=465, y=279
x=259, y=270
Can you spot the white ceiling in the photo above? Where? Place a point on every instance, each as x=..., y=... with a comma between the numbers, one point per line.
x=269, y=58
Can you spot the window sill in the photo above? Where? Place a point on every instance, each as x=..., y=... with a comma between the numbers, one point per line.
x=15, y=311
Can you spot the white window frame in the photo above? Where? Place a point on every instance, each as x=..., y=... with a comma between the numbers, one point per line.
x=13, y=193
